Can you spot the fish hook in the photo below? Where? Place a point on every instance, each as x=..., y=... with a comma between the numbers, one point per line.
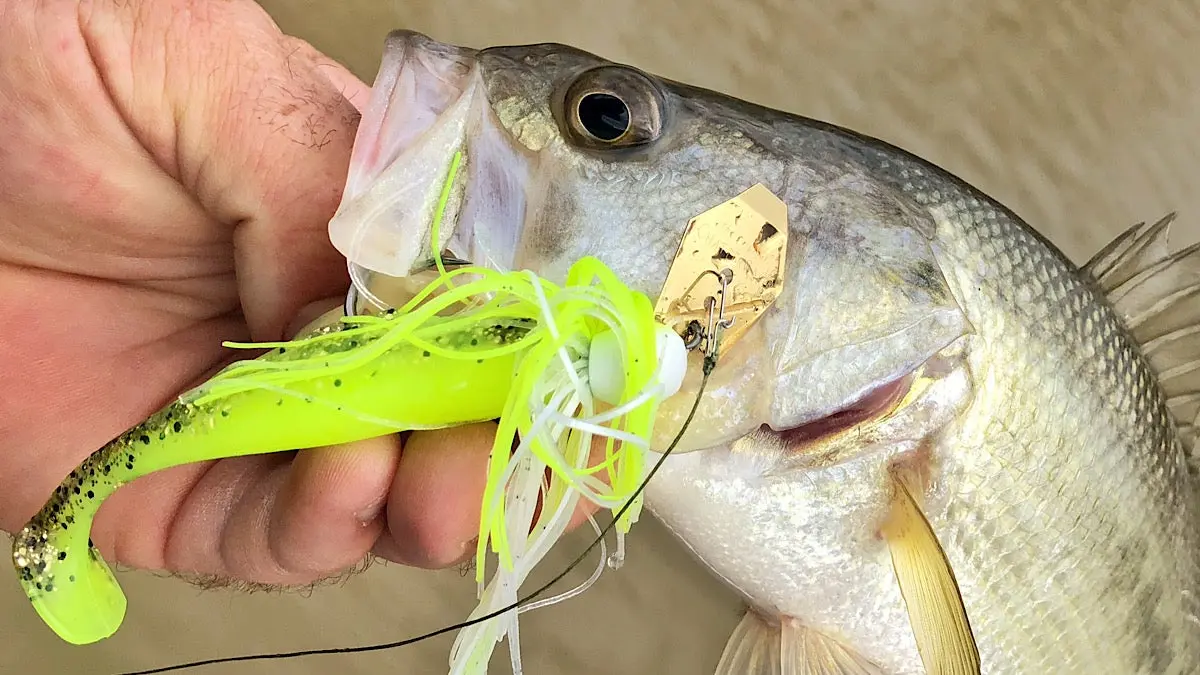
x=350, y=305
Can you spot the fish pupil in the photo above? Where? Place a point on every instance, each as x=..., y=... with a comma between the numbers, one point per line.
x=604, y=116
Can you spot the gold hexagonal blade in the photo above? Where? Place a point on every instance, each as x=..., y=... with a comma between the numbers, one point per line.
x=747, y=235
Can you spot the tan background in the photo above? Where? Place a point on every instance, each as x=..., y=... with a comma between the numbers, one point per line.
x=1083, y=115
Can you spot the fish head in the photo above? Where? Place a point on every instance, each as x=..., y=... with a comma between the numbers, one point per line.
x=566, y=154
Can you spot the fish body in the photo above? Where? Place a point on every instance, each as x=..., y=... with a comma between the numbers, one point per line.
x=944, y=448
x=1059, y=488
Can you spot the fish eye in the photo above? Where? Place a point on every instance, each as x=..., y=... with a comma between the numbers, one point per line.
x=612, y=107
x=604, y=116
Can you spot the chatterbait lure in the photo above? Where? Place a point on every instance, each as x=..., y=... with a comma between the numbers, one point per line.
x=483, y=345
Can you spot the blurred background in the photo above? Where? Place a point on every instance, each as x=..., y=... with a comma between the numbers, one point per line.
x=1083, y=116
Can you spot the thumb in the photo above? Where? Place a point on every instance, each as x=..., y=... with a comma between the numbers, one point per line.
x=256, y=125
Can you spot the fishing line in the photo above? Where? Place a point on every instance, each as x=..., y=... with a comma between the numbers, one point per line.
x=710, y=362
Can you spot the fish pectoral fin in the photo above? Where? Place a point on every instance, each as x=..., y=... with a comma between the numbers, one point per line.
x=935, y=607
x=1156, y=292
x=757, y=647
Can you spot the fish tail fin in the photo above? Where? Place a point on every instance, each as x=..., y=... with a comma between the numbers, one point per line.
x=69, y=583
x=757, y=647
x=1156, y=293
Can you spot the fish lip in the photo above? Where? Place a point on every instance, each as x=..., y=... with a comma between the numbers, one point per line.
x=429, y=105
x=875, y=403
x=423, y=106
x=921, y=400
x=871, y=405
x=421, y=62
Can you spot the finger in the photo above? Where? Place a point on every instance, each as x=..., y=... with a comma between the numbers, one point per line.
x=212, y=532
x=435, y=501
x=329, y=511
x=287, y=518
x=255, y=124
x=354, y=90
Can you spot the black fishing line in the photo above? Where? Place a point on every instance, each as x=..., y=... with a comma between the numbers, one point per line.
x=710, y=362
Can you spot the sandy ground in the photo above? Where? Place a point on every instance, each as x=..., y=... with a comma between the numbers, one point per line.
x=1081, y=115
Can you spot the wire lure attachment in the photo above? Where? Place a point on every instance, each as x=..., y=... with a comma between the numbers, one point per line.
x=703, y=336
x=730, y=265
x=718, y=323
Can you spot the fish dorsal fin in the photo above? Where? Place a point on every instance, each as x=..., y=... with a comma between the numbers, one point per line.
x=1156, y=292
x=788, y=648
x=931, y=595
x=1131, y=252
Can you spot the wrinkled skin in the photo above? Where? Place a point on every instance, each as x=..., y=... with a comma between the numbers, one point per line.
x=921, y=324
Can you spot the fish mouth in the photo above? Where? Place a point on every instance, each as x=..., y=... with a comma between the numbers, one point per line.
x=428, y=107
x=827, y=436
x=894, y=416
x=874, y=404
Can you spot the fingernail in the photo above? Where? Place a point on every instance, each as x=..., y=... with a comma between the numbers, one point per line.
x=468, y=551
x=313, y=316
x=367, y=516
x=416, y=556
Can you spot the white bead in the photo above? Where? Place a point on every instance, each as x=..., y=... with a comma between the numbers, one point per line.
x=607, y=372
x=672, y=359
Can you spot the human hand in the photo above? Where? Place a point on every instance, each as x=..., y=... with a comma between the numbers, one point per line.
x=167, y=170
